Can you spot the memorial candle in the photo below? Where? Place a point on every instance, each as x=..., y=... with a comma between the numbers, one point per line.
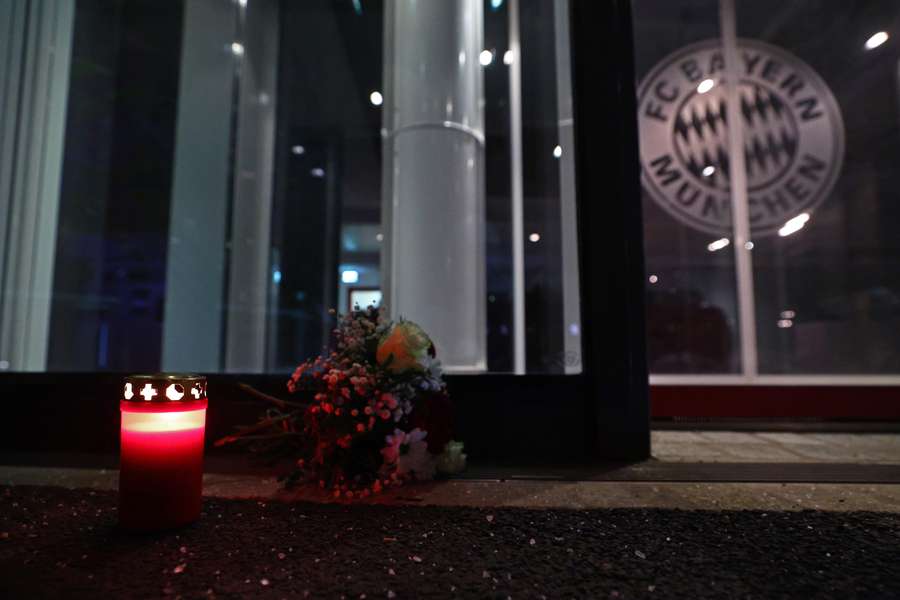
x=161, y=470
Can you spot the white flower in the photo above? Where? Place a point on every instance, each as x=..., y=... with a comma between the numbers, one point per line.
x=409, y=452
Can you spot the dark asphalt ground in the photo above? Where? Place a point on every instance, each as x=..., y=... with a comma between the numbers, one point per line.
x=64, y=544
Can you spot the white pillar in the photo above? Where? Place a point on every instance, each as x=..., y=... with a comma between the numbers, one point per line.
x=218, y=267
x=433, y=204
x=567, y=209
x=517, y=190
x=35, y=52
x=740, y=212
x=195, y=271
x=250, y=274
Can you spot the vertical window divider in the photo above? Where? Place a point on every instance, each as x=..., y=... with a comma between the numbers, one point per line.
x=516, y=190
x=740, y=213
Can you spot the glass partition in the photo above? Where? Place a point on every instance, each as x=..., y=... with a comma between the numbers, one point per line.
x=220, y=176
x=692, y=309
x=827, y=282
x=805, y=286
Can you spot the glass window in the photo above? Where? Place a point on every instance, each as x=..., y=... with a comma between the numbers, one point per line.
x=692, y=311
x=216, y=177
x=827, y=282
x=794, y=269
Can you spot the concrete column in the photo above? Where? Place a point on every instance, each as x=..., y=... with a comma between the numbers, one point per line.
x=250, y=271
x=433, y=204
x=196, y=262
x=567, y=209
x=35, y=51
x=218, y=274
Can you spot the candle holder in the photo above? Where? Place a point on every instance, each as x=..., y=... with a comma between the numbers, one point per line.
x=161, y=470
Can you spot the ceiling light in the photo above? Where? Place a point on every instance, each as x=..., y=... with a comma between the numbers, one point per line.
x=317, y=172
x=653, y=279
x=705, y=86
x=486, y=57
x=237, y=49
x=298, y=150
x=350, y=276
x=794, y=225
x=718, y=244
x=534, y=237
x=557, y=152
x=508, y=57
x=708, y=170
x=375, y=98
x=876, y=40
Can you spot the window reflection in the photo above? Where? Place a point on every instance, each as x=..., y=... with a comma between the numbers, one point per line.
x=818, y=100
x=225, y=183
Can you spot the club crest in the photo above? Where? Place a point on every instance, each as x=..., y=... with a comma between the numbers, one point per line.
x=792, y=129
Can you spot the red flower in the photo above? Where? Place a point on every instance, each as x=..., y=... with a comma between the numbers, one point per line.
x=434, y=414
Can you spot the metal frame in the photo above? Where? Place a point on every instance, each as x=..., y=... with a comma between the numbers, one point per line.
x=782, y=380
x=610, y=228
x=603, y=413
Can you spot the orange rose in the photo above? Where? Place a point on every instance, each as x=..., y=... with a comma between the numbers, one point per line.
x=403, y=348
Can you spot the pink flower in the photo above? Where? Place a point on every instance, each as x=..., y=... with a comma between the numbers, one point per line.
x=391, y=452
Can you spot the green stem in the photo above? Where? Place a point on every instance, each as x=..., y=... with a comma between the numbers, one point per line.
x=276, y=401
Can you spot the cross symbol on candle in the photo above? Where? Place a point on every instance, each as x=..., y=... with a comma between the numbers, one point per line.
x=195, y=392
x=148, y=392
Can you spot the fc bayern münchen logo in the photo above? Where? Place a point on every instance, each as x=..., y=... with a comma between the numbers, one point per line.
x=792, y=129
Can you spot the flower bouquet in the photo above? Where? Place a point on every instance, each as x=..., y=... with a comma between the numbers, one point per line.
x=372, y=413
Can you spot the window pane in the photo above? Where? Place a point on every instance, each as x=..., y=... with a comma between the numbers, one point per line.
x=692, y=309
x=229, y=172
x=828, y=277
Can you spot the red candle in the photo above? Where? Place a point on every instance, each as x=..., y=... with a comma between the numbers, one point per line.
x=161, y=470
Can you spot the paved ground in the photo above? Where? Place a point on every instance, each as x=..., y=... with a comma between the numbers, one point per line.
x=526, y=493
x=56, y=542
x=535, y=534
x=547, y=489
x=759, y=447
